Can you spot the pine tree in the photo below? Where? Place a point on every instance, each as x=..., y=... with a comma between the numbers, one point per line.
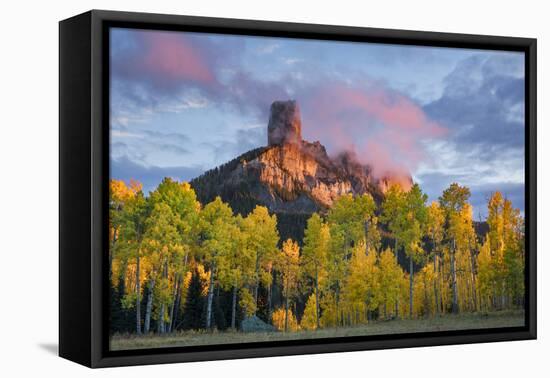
x=194, y=304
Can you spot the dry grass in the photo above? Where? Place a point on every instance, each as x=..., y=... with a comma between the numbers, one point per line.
x=443, y=323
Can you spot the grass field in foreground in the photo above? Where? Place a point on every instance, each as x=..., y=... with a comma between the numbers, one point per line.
x=442, y=323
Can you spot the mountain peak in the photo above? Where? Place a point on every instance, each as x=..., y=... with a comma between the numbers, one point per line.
x=285, y=124
x=292, y=177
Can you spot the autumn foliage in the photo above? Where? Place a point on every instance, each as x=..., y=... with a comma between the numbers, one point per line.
x=178, y=264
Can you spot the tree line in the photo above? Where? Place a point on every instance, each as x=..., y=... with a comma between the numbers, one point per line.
x=176, y=264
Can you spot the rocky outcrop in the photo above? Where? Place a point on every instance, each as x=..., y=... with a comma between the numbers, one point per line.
x=292, y=171
x=255, y=324
x=290, y=175
x=285, y=124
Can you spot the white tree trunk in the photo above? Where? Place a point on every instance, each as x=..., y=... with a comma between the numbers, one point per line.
x=138, y=295
x=148, y=309
x=397, y=262
x=160, y=324
x=317, y=296
x=411, y=286
x=453, y=279
x=210, y=300
x=286, y=313
x=234, y=307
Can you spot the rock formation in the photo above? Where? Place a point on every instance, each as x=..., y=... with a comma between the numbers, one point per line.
x=285, y=124
x=291, y=177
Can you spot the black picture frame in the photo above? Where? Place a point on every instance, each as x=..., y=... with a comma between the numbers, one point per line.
x=84, y=174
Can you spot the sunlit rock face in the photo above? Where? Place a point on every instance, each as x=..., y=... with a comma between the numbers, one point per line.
x=291, y=170
x=285, y=124
x=290, y=175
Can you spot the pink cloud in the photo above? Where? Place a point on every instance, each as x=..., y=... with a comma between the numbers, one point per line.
x=167, y=60
x=385, y=128
x=173, y=57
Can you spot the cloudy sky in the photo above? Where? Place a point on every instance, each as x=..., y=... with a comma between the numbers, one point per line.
x=182, y=103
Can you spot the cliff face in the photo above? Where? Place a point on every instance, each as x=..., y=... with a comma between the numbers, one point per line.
x=296, y=179
x=290, y=175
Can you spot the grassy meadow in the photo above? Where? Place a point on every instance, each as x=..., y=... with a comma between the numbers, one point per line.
x=467, y=321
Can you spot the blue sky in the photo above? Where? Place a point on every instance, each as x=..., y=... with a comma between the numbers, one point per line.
x=182, y=103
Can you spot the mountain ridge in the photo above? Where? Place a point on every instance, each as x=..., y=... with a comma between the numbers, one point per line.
x=290, y=176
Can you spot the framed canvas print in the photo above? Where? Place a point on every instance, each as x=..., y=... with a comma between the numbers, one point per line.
x=233, y=188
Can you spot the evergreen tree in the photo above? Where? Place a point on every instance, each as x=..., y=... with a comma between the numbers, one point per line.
x=194, y=304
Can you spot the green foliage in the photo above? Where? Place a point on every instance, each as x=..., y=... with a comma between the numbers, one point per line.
x=454, y=198
x=262, y=238
x=411, y=222
x=349, y=216
x=315, y=251
x=392, y=206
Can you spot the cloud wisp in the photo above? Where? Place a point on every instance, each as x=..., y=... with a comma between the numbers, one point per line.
x=384, y=127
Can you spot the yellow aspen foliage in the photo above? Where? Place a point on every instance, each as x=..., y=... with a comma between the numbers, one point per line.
x=278, y=320
x=289, y=268
x=247, y=302
x=329, y=316
x=157, y=240
x=185, y=286
x=309, y=319
x=120, y=192
x=362, y=288
x=261, y=241
x=288, y=265
x=404, y=291
x=204, y=276
x=424, y=301
x=485, y=274
x=507, y=252
x=389, y=276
